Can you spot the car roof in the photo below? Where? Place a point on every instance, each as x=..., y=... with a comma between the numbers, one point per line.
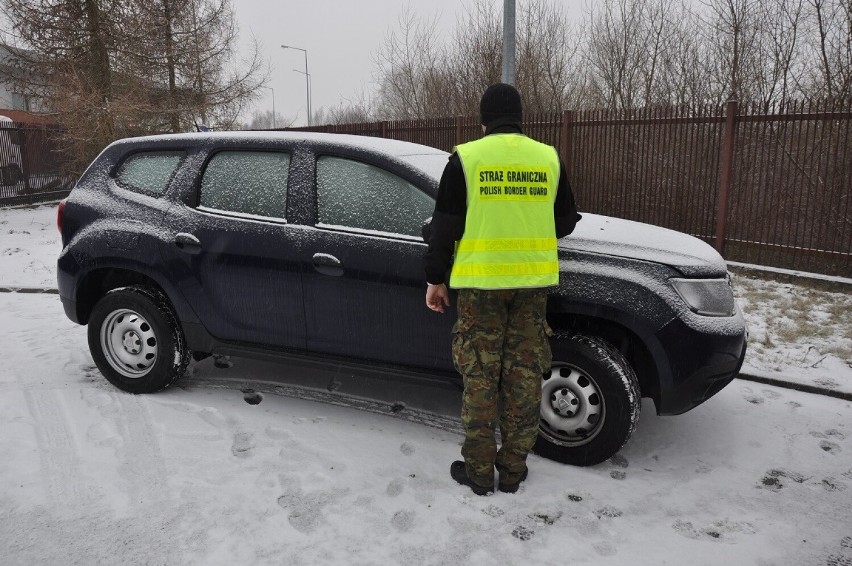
x=379, y=145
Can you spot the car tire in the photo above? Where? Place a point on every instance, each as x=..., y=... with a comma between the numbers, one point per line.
x=590, y=402
x=136, y=340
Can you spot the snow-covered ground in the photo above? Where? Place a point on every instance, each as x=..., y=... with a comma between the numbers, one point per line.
x=799, y=333
x=198, y=475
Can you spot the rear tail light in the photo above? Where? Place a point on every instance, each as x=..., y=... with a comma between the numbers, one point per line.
x=60, y=210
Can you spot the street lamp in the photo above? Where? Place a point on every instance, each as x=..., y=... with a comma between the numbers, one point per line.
x=307, y=78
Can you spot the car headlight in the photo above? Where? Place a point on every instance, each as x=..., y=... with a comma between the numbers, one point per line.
x=708, y=297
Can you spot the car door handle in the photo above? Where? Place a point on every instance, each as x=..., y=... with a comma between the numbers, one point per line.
x=328, y=265
x=188, y=243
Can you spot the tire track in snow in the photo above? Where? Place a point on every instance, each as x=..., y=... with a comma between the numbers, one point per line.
x=66, y=489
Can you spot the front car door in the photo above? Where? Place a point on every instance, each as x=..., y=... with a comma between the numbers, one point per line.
x=364, y=284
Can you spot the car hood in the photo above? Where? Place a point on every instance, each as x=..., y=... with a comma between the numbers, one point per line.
x=624, y=238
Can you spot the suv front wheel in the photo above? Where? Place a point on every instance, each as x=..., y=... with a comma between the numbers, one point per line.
x=590, y=402
x=136, y=341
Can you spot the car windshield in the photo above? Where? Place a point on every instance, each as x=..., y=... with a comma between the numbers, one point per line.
x=430, y=163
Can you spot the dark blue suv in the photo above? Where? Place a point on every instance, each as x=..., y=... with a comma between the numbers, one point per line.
x=294, y=244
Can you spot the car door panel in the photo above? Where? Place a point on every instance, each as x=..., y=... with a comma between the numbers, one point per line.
x=375, y=308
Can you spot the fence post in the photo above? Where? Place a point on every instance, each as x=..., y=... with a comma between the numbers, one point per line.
x=384, y=128
x=725, y=175
x=459, y=121
x=565, y=137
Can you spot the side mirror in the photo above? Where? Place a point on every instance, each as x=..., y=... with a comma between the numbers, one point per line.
x=426, y=230
x=11, y=174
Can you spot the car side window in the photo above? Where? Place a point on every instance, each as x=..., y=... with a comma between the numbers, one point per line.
x=149, y=172
x=357, y=195
x=247, y=182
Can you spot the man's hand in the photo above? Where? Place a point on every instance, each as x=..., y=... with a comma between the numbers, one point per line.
x=437, y=297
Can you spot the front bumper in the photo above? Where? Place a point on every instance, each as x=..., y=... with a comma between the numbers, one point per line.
x=703, y=359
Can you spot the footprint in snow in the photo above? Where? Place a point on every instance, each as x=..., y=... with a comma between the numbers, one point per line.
x=523, y=533
x=394, y=488
x=305, y=519
x=717, y=531
x=703, y=468
x=833, y=432
x=751, y=396
x=608, y=511
x=831, y=485
x=830, y=447
x=619, y=461
x=617, y=475
x=243, y=444
x=407, y=449
x=605, y=548
x=770, y=394
x=773, y=479
x=403, y=520
x=493, y=511
x=546, y=519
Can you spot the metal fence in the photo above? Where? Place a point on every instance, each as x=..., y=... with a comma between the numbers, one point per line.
x=30, y=164
x=766, y=186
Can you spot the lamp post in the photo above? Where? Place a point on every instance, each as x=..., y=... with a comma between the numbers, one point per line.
x=508, y=74
x=307, y=78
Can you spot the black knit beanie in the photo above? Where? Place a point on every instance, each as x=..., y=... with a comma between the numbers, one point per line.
x=500, y=101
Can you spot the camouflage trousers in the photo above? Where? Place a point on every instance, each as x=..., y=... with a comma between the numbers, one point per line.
x=500, y=347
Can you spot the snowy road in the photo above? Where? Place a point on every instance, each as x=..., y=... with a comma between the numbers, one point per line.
x=197, y=475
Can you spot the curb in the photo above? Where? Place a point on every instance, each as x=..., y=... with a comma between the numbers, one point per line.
x=817, y=281
x=30, y=290
x=803, y=387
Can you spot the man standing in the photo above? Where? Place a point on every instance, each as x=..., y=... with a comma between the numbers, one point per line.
x=505, y=199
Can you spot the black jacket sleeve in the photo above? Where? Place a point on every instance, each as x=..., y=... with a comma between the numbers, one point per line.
x=564, y=208
x=447, y=224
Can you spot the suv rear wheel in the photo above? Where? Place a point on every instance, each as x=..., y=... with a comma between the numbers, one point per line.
x=590, y=402
x=136, y=341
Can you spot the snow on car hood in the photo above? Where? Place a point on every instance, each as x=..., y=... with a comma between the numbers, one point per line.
x=625, y=238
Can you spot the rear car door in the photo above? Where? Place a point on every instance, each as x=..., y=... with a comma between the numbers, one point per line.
x=233, y=252
x=364, y=285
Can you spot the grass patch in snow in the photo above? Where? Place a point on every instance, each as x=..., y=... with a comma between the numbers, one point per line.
x=799, y=324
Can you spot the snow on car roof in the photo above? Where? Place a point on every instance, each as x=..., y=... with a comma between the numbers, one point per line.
x=388, y=146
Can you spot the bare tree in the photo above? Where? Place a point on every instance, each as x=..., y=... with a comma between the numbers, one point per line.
x=411, y=70
x=266, y=120
x=549, y=52
x=625, y=51
x=419, y=78
x=830, y=44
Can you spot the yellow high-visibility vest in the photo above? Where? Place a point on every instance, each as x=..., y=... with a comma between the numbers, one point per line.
x=509, y=239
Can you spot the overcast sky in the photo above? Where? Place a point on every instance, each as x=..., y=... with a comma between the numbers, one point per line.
x=340, y=37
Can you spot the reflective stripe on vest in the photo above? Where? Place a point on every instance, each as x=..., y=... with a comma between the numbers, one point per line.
x=509, y=240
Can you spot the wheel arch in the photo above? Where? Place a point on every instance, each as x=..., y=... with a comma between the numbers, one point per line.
x=637, y=344
x=98, y=282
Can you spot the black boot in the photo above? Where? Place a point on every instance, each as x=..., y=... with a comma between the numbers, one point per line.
x=513, y=487
x=459, y=473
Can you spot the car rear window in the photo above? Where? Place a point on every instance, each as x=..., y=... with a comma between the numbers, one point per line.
x=149, y=172
x=246, y=182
